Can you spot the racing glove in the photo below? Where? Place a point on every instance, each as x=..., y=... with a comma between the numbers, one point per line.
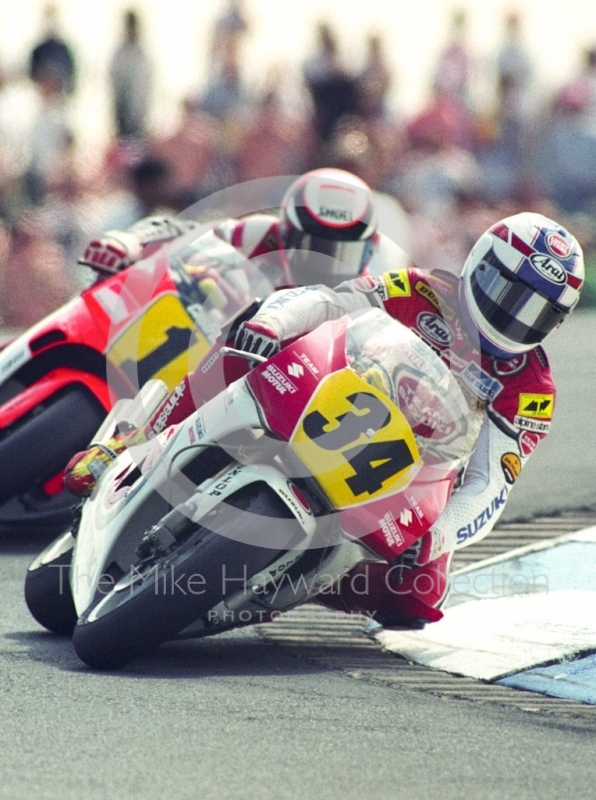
x=115, y=251
x=255, y=337
x=84, y=469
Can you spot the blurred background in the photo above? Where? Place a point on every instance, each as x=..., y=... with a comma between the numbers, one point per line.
x=462, y=112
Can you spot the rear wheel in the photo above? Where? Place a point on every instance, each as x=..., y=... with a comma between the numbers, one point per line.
x=163, y=598
x=47, y=587
x=41, y=445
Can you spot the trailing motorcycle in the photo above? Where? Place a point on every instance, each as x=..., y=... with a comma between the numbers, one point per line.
x=59, y=380
x=341, y=449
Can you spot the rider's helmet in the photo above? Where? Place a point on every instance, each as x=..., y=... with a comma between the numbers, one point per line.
x=521, y=279
x=328, y=227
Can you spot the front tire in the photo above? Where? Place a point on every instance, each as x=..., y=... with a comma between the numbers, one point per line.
x=47, y=587
x=40, y=445
x=137, y=617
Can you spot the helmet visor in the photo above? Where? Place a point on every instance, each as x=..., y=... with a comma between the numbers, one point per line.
x=343, y=259
x=511, y=306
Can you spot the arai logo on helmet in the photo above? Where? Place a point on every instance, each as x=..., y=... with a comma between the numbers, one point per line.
x=435, y=328
x=558, y=246
x=548, y=267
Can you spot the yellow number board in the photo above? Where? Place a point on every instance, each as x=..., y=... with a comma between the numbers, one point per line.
x=163, y=343
x=355, y=441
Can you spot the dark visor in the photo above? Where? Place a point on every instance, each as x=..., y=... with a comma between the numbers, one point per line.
x=347, y=257
x=511, y=306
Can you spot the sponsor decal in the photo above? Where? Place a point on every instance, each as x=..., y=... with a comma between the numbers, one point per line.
x=536, y=406
x=406, y=517
x=511, y=465
x=162, y=421
x=473, y=402
x=424, y=290
x=295, y=370
x=335, y=214
x=469, y=531
x=510, y=366
x=222, y=485
x=390, y=530
x=416, y=508
x=192, y=437
x=549, y=268
x=481, y=382
x=531, y=424
x=278, y=380
x=397, y=283
x=12, y=358
x=528, y=442
x=457, y=362
x=434, y=327
x=426, y=413
x=308, y=363
x=300, y=497
x=200, y=428
x=210, y=362
x=558, y=246
x=541, y=356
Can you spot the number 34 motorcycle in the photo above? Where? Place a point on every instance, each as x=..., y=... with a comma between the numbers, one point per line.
x=59, y=380
x=341, y=449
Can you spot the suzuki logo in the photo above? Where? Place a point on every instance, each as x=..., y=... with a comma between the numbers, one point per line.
x=405, y=517
x=296, y=370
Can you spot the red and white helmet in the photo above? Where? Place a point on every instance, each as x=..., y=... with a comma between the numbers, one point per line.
x=328, y=226
x=521, y=279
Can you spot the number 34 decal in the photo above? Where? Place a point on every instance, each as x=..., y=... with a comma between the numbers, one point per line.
x=355, y=441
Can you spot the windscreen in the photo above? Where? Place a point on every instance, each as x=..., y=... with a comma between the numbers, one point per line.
x=396, y=361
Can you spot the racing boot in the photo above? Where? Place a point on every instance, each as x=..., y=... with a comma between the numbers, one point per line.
x=398, y=595
x=85, y=468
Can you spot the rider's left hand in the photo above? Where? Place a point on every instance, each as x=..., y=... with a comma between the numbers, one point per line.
x=255, y=337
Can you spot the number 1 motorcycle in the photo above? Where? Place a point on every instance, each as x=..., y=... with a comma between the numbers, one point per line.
x=59, y=380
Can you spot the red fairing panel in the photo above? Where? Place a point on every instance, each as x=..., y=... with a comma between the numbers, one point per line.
x=285, y=384
x=390, y=525
x=49, y=385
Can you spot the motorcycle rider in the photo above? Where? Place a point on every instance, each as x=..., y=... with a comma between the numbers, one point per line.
x=327, y=211
x=520, y=281
x=326, y=233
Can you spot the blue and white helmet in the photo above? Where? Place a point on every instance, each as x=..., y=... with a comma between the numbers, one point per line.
x=521, y=279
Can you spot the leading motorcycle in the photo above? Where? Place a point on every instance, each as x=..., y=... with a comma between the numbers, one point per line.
x=341, y=449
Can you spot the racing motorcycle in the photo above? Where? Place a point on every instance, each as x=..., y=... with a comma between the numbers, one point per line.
x=342, y=448
x=59, y=380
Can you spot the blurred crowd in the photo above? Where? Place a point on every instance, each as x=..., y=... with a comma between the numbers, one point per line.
x=458, y=164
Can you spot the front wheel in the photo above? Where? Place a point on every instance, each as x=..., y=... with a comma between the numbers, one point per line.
x=146, y=608
x=47, y=587
x=40, y=445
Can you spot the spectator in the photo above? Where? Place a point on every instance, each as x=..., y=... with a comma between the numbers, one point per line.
x=189, y=154
x=224, y=96
x=35, y=278
x=452, y=73
x=271, y=142
x=130, y=80
x=333, y=92
x=514, y=74
x=53, y=55
x=228, y=31
x=48, y=137
x=374, y=80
